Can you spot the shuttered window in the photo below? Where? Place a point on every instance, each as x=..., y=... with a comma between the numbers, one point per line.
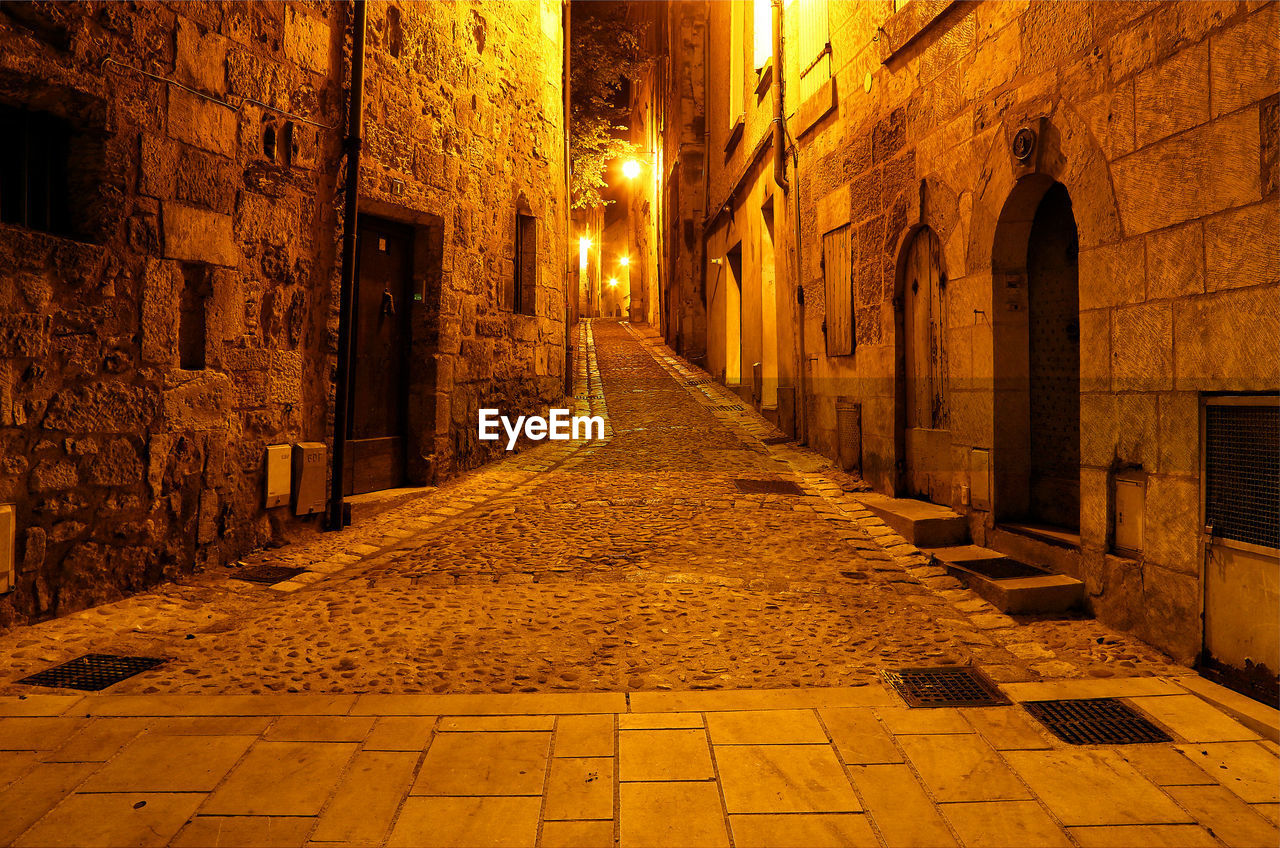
x=526, y=282
x=815, y=46
x=762, y=33
x=836, y=272
x=737, y=47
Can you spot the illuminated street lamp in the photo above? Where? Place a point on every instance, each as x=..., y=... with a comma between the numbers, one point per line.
x=624, y=261
x=631, y=169
x=613, y=282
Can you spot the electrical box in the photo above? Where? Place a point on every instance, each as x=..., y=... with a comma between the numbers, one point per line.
x=980, y=478
x=1130, y=503
x=309, y=478
x=279, y=462
x=8, y=547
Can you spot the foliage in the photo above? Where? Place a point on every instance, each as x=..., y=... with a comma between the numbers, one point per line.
x=607, y=49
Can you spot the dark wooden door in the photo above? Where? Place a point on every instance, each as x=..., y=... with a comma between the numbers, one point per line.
x=928, y=436
x=376, y=447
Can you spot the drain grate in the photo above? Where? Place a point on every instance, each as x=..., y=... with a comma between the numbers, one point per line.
x=267, y=574
x=726, y=407
x=1096, y=721
x=955, y=686
x=768, y=487
x=92, y=672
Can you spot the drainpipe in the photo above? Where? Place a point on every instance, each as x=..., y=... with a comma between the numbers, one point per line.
x=342, y=393
x=779, y=134
x=571, y=308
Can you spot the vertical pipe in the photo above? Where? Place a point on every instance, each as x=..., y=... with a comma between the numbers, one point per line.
x=342, y=387
x=572, y=309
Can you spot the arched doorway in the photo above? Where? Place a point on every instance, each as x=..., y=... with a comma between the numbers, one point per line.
x=1037, y=358
x=922, y=351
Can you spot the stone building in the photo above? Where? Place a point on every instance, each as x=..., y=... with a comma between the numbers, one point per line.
x=1038, y=253
x=169, y=265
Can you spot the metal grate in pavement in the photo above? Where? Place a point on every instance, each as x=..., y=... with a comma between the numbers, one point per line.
x=92, y=672
x=1096, y=721
x=950, y=686
x=267, y=574
x=729, y=406
x=768, y=487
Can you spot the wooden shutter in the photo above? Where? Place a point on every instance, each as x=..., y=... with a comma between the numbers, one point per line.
x=737, y=46
x=526, y=286
x=815, y=53
x=838, y=278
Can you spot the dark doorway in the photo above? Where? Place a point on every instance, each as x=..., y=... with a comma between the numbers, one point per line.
x=923, y=351
x=1053, y=316
x=380, y=366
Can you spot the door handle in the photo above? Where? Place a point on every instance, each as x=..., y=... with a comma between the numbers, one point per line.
x=388, y=303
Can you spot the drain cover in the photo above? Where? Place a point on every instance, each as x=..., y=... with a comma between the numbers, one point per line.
x=92, y=672
x=768, y=487
x=1096, y=721
x=725, y=407
x=267, y=574
x=956, y=686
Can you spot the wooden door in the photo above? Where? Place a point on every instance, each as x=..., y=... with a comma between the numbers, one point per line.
x=928, y=437
x=376, y=446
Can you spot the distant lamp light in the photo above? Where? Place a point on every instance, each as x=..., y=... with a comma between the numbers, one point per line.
x=584, y=246
x=624, y=261
x=613, y=282
x=631, y=169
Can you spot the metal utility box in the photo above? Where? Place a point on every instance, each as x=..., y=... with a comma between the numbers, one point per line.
x=1130, y=503
x=309, y=464
x=8, y=546
x=279, y=474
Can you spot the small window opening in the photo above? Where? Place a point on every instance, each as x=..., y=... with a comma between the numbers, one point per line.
x=393, y=32
x=191, y=317
x=34, y=150
x=526, y=267
x=269, y=142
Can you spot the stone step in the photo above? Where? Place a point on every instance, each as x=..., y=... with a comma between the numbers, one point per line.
x=923, y=524
x=1009, y=585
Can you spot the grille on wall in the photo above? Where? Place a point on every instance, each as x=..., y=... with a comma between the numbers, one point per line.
x=1242, y=471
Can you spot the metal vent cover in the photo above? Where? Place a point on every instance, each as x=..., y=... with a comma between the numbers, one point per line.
x=948, y=686
x=92, y=672
x=267, y=574
x=1096, y=721
x=768, y=487
x=1242, y=469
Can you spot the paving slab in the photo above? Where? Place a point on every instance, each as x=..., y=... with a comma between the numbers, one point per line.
x=903, y=721
x=533, y=703
x=1094, y=787
x=1194, y=720
x=687, y=813
x=859, y=736
x=1229, y=818
x=1091, y=687
x=962, y=768
x=1164, y=765
x=35, y=793
x=576, y=834
x=1008, y=728
x=400, y=733
x=661, y=755
x=765, y=727
x=784, y=779
x=320, y=729
x=366, y=801
x=1247, y=769
x=36, y=733
x=504, y=764
x=100, y=740
x=1144, y=836
x=584, y=736
x=209, y=725
x=579, y=788
x=481, y=822
x=659, y=721
x=1005, y=824
x=240, y=831
x=462, y=724
x=812, y=830
x=281, y=779
x=14, y=764
x=762, y=699
x=38, y=705
x=218, y=705
x=157, y=763
x=112, y=821
x=899, y=806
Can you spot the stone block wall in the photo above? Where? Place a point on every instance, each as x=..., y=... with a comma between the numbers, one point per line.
x=185, y=316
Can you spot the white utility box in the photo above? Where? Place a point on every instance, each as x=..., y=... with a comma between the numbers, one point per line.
x=279, y=474
x=309, y=477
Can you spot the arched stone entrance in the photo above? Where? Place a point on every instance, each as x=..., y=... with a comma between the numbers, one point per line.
x=1036, y=353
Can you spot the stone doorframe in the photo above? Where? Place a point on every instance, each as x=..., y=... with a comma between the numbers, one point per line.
x=1037, y=145
x=430, y=374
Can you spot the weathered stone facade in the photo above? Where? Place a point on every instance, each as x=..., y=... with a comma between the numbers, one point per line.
x=185, y=317
x=1150, y=128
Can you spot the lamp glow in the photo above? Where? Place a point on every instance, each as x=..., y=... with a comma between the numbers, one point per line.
x=631, y=169
x=613, y=282
x=624, y=261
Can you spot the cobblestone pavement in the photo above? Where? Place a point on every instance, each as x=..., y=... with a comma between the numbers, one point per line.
x=630, y=564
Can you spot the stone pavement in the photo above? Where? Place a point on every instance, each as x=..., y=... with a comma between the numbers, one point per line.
x=590, y=643
x=847, y=766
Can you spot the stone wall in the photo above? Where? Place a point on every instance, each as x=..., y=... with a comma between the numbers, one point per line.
x=184, y=318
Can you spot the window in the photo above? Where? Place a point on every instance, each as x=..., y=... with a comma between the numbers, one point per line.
x=762, y=33
x=393, y=32
x=525, y=292
x=33, y=170
x=191, y=317
x=836, y=273
x=736, y=47
x=815, y=47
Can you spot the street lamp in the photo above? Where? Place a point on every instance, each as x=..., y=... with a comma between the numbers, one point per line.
x=624, y=261
x=631, y=169
x=613, y=282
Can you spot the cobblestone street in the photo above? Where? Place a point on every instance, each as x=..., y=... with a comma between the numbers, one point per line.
x=624, y=565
